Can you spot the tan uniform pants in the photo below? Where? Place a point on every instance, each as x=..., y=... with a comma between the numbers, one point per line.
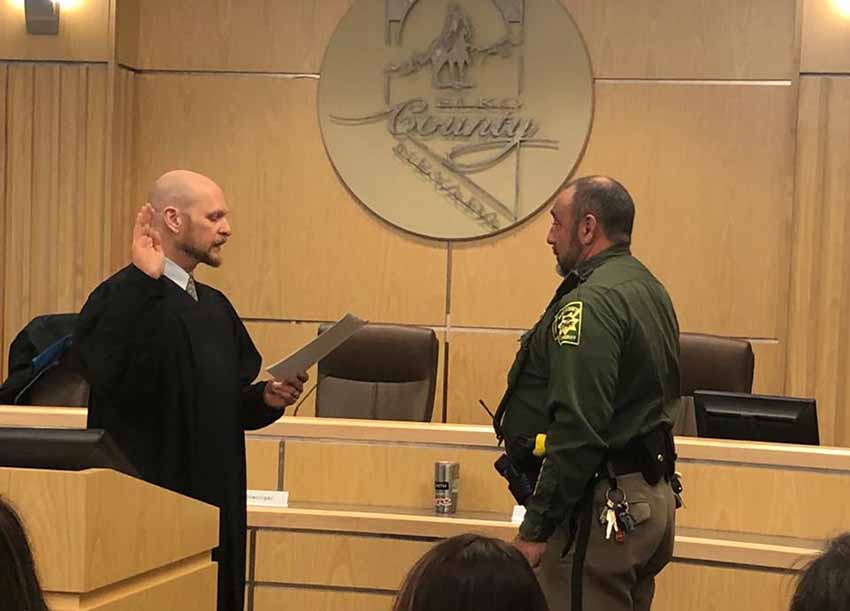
x=616, y=576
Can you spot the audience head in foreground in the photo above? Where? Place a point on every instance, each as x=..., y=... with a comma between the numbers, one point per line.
x=825, y=583
x=471, y=573
x=19, y=588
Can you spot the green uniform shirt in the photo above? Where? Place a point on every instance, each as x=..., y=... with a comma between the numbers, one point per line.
x=600, y=368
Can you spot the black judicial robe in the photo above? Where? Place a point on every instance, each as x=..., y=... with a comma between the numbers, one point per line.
x=171, y=382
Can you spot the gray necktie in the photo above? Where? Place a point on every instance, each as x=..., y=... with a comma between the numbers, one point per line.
x=192, y=289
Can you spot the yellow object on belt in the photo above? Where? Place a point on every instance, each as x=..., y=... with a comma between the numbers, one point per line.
x=540, y=445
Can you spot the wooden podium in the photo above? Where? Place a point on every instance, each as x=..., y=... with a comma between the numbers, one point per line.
x=108, y=542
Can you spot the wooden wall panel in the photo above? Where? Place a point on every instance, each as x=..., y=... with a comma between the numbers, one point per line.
x=127, y=28
x=505, y=281
x=720, y=588
x=806, y=491
x=478, y=369
x=4, y=73
x=651, y=39
x=54, y=197
x=688, y=40
x=335, y=559
x=193, y=589
x=711, y=587
x=19, y=161
x=125, y=202
x=706, y=164
x=401, y=476
x=270, y=598
x=83, y=33
x=263, y=462
x=819, y=306
x=257, y=36
x=769, y=376
x=92, y=206
x=825, y=37
x=439, y=393
x=302, y=248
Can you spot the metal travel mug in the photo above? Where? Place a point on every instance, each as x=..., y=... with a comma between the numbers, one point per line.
x=446, y=481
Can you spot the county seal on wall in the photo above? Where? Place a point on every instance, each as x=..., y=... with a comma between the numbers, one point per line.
x=455, y=119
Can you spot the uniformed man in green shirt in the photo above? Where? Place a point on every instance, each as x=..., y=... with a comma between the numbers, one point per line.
x=598, y=375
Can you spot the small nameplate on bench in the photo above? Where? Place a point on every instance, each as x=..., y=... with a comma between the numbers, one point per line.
x=518, y=515
x=268, y=498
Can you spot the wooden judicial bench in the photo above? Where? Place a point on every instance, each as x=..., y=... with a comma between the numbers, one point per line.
x=361, y=511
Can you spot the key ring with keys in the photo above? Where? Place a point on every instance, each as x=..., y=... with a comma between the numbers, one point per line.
x=615, y=496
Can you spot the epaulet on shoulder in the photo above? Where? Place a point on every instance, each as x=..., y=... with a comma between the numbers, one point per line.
x=584, y=293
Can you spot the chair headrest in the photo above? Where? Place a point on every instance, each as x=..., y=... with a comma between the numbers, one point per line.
x=710, y=362
x=383, y=353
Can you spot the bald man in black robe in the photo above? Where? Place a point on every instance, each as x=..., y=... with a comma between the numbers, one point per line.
x=171, y=365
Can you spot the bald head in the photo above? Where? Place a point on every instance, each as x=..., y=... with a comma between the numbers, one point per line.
x=190, y=214
x=180, y=189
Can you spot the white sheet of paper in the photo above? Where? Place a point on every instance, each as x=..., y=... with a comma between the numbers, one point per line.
x=317, y=348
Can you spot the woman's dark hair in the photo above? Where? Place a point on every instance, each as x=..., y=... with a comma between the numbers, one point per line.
x=824, y=585
x=19, y=588
x=471, y=573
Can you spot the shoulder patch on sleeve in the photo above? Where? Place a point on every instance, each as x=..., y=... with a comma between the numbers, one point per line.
x=566, y=328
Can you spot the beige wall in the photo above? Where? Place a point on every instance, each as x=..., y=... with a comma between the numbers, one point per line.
x=85, y=33
x=819, y=303
x=826, y=37
x=56, y=162
x=52, y=196
x=698, y=107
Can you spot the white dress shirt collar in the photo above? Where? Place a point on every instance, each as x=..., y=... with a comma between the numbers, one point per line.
x=176, y=274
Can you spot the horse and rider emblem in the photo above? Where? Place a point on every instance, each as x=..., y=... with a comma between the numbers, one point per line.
x=451, y=53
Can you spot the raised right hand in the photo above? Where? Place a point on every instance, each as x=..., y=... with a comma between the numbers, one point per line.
x=147, y=251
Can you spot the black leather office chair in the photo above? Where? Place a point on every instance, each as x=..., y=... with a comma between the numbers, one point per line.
x=60, y=386
x=711, y=362
x=41, y=370
x=384, y=372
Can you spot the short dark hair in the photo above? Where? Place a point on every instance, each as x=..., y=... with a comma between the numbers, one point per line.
x=471, y=572
x=825, y=582
x=609, y=202
x=18, y=580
